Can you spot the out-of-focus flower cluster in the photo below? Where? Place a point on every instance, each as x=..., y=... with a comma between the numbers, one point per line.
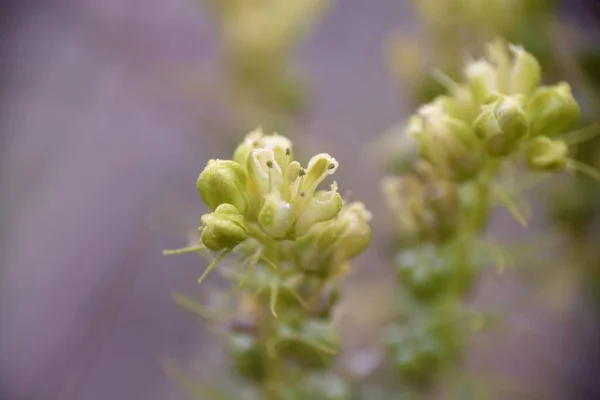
x=454, y=27
x=257, y=37
x=500, y=112
x=499, y=115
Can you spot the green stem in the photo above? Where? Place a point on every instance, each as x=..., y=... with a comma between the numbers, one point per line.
x=268, y=327
x=483, y=185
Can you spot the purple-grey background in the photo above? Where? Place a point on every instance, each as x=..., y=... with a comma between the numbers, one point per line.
x=102, y=135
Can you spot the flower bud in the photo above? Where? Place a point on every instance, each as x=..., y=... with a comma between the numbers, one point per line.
x=428, y=208
x=324, y=205
x=416, y=352
x=248, y=358
x=546, y=154
x=552, y=110
x=481, y=79
x=423, y=272
x=224, y=228
x=251, y=142
x=449, y=144
x=526, y=72
x=223, y=181
x=276, y=217
x=501, y=125
x=356, y=233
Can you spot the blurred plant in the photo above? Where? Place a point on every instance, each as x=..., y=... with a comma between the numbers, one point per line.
x=456, y=27
x=295, y=243
x=465, y=143
x=257, y=40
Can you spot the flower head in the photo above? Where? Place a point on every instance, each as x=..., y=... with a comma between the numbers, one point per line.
x=289, y=201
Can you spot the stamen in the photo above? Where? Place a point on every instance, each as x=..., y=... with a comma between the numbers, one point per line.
x=301, y=174
x=270, y=165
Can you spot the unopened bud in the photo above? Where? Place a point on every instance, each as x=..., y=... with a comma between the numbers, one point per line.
x=223, y=181
x=224, y=228
x=552, y=110
x=276, y=217
x=546, y=154
x=356, y=234
x=324, y=206
x=251, y=142
x=481, y=78
x=449, y=144
x=501, y=125
x=526, y=72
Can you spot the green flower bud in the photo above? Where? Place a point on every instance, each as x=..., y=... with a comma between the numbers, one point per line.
x=247, y=356
x=501, y=125
x=324, y=206
x=499, y=56
x=276, y=217
x=449, y=144
x=423, y=272
x=355, y=235
x=416, y=353
x=481, y=79
x=224, y=228
x=223, y=181
x=546, y=154
x=421, y=347
x=251, y=142
x=427, y=208
x=525, y=74
x=552, y=110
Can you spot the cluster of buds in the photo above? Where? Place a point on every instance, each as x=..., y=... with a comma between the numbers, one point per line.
x=265, y=194
x=295, y=241
x=458, y=26
x=499, y=111
x=498, y=114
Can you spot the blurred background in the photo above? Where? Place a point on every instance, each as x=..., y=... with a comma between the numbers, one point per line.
x=108, y=112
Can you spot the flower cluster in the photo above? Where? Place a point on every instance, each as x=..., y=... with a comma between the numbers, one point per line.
x=295, y=241
x=499, y=111
x=498, y=116
x=265, y=194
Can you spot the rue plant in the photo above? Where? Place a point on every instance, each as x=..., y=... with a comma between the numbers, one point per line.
x=292, y=243
x=498, y=122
